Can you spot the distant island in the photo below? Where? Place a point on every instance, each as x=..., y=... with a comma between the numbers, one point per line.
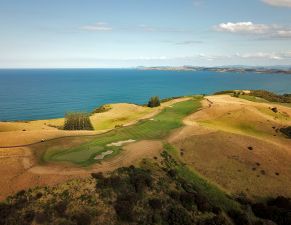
x=235, y=69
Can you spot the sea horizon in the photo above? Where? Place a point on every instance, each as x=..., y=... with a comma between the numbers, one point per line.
x=50, y=93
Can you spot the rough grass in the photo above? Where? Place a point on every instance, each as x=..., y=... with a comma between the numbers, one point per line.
x=217, y=196
x=253, y=98
x=158, y=127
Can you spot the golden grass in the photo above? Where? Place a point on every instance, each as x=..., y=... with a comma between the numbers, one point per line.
x=216, y=139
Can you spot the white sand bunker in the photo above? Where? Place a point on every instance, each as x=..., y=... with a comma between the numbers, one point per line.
x=120, y=143
x=103, y=154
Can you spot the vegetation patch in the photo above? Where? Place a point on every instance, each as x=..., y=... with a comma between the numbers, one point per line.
x=147, y=195
x=77, y=121
x=154, y=102
x=286, y=131
x=271, y=97
x=102, y=108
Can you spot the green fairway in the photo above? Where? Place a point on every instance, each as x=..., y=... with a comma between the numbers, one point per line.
x=156, y=128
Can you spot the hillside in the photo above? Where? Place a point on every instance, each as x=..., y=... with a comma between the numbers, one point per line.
x=198, y=160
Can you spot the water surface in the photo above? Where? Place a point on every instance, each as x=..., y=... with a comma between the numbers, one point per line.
x=46, y=93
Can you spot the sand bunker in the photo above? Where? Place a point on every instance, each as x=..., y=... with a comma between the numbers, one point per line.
x=120, y=143
x=103, y=154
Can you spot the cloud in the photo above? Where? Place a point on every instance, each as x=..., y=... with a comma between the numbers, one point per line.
x=264, y=55
x=99, y=26
x=147, y=28
x=278, y=3
x=188, y=42
x=242, y=27
x=250, y=28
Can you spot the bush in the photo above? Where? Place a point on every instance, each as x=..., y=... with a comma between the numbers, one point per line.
x=272, y=97
x=187, y=200
x=82, y=218
x=286, y=131
x=77, y=121
x=216, y=220
x=154, y=102
x=124, y=207
x=239, y=218
x=277, y=210
x=102, y=108
x=140, y=179
x=178, y=216
x=155, y=203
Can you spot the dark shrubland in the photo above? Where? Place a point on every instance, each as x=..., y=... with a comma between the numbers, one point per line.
x=271, y=97
x=275, y=209
x=77, y=121
x=145, y=195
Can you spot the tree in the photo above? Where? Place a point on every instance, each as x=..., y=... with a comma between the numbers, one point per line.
x=154, y=102
x=77, y=121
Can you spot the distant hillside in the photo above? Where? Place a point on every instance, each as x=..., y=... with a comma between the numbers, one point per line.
x=235, y=69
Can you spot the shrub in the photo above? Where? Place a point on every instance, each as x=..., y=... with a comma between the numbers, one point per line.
x=223, y=92
x=286, y=131
x=178, y=216
x=216, y=220
x=239, y=218
x=155, y=203
x=82, y=218
x=140, y=179
x=187, y=200
x=124, y=207
x=97, y=175
x=61, y=207
x=154, y=102
x=102, y=108
x=277, y=210
x=77, y=121
x=269, y=96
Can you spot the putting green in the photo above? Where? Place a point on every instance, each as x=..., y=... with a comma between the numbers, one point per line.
x=156, y=128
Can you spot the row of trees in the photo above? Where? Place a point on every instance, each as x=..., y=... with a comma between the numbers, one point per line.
x=77, y=121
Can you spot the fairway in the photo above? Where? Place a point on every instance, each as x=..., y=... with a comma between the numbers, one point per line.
x=156, y=128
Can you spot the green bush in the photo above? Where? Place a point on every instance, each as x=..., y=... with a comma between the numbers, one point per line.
x=102, y=108
x=272, y=97
x=154, y=102
x=77, y=121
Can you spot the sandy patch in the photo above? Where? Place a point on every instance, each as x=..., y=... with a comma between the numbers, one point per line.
x=103, y=154
x=120, y=143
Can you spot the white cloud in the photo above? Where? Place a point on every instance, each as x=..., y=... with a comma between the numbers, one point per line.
x=99, y=26
x=242, y=27
x=266, y=31
x=278, y=3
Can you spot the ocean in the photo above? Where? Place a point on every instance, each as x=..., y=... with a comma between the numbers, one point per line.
x=32, y=94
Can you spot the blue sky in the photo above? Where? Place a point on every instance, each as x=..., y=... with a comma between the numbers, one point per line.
x=128, y=33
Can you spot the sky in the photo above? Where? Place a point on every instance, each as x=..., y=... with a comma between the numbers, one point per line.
x=130, y=33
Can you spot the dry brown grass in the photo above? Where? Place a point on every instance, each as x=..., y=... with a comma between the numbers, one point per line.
x=215, y=142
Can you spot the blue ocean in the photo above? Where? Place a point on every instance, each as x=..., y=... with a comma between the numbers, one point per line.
x=31, y=94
